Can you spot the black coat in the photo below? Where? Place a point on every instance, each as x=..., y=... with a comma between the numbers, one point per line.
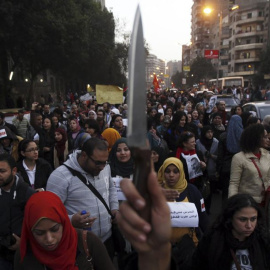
x=12, y=213
x=43, y=171
x=213, y=252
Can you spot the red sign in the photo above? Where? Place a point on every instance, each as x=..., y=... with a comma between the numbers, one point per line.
x=211, y=54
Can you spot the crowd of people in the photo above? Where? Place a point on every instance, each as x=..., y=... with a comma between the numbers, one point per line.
x=59, y=174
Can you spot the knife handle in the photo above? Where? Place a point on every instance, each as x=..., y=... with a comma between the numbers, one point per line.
x=142, y=160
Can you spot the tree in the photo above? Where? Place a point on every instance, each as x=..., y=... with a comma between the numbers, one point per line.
x=73, y=38
x=177, y=79
x=202, y=69
x=265, y=61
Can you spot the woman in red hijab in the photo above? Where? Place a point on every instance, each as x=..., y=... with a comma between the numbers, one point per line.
x=49, y=241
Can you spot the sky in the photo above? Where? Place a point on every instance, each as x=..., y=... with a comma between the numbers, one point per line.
x=166, y=24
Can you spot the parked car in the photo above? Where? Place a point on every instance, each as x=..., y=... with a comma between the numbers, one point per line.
x=230, y=100
x=260, y=108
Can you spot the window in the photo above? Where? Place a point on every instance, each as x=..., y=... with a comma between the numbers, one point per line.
x=249, y=15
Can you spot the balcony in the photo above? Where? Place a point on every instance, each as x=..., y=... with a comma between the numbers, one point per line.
x=225, y=46
x=251, y=46
x=224, y=57
x=241, y=73
x=247, y=60
x=244, y=20
x=241, y=34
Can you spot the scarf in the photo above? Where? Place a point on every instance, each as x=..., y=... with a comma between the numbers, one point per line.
x=124, y=169
x=181, y=184
x=61, y=145
x=205, y=141
x=162, y=156
x=111, y=135
x=220, y=255
x=180, y=150
x=234, y=131
x=78, y=128
x=48, y=205
x=92, y=112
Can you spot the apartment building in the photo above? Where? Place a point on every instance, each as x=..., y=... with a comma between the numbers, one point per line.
x=154, y=66
x=248, y=37
x=240, y=35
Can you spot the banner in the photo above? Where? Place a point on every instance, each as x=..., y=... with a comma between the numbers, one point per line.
x=193, y=164
x=211, y=54
x=116, y=182
x=183, y=214
x=109, y=93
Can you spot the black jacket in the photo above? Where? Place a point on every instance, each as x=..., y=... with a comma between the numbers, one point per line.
x=43, y=171
x=12, y=212
x=213, y=252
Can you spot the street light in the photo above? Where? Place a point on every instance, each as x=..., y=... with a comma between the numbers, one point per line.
x=208, y=11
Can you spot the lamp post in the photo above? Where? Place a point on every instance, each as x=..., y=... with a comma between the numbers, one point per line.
x=208, y=11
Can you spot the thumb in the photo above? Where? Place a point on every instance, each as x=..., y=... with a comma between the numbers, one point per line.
x=16, y=236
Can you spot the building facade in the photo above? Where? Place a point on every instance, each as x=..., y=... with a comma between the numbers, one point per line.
x=240, y=35
x=248, y=37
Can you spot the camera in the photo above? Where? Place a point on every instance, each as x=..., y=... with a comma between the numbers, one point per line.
x=7, y=240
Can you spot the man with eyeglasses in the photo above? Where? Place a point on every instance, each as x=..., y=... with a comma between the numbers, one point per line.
x=91, y=163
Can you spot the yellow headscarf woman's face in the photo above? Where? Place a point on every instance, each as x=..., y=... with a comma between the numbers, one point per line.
x=178, y=168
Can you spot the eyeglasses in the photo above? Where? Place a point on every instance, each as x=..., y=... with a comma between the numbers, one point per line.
x=32, y=150
x=99, y=163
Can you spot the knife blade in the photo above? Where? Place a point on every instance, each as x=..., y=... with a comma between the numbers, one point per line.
x=137, y=119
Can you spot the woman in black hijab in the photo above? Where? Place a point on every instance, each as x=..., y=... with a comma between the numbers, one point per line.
x=120, y=159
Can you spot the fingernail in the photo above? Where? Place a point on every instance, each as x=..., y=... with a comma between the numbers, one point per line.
x=142, y=237
x=147, y=228
x=139, y=203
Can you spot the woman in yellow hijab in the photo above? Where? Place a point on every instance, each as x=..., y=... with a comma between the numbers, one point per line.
x=111, y=136
x=171, y=175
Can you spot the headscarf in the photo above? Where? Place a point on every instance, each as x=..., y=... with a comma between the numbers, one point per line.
x=124, y=169
x=48, y=205
x=81, y=139
x=61, y=145
x=162, y=156
x=234, y=131
x=95, y=117
x=111, y=135
x=181, y=184
x=115, y=111
x=221, y=126
x=78, y=128
x=205, y=141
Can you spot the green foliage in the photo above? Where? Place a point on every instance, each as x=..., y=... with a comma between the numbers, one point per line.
x=202, y=69
x=265, y=61
x=73, y=38
x=177, y=79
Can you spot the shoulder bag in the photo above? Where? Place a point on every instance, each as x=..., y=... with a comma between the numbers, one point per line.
x=118, y=239
x=86, y=249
